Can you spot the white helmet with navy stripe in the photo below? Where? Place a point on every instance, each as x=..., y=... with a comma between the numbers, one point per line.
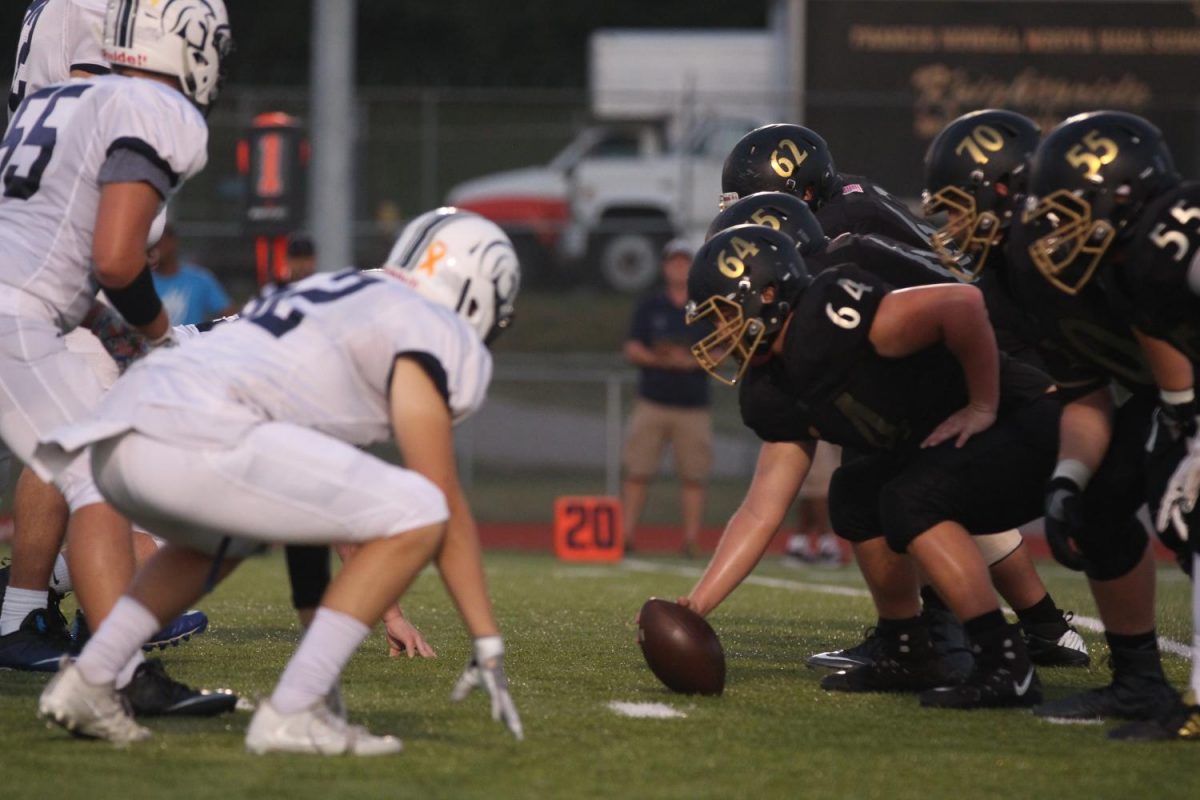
x=186, y=39
x=460, y=260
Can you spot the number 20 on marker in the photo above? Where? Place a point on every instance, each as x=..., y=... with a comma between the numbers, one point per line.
x=588, y=529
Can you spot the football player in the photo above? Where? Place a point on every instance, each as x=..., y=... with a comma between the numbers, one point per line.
x=308, y=373
x=1158, y=286
x=791, y=158
x=86, y=166
x=60, y=39
x=1050, y=638
x=1124, y=226
x=956, y=437
x=1088, y=180
x=797, y=160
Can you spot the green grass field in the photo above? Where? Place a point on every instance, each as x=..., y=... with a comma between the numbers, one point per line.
x=570, y=634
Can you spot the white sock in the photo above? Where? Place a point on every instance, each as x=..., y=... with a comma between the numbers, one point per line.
x=331, y=640
x=17, y=605
x=126, y=673
x=1196, y=624
x=60, y=581
x=120, y=638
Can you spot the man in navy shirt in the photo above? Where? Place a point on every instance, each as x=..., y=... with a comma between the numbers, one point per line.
x=672, y=400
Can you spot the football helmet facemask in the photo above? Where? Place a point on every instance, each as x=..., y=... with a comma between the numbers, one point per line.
x=187, y=39
x=974, y=171
x=462, y=261
x=779, y=158
x=1088, y=181
x=744, y=283
x=779, y=210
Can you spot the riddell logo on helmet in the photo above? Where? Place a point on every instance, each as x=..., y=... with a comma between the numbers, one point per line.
x=116, y=57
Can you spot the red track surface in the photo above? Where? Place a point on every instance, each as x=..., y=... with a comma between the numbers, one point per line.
x=536, y=536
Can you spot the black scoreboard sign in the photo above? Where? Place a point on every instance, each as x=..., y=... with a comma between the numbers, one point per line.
x=884, y=76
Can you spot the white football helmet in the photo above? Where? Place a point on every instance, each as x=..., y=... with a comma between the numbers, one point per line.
x=186, y=39
x=462, y=261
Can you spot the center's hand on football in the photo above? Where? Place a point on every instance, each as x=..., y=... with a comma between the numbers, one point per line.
x=961, y=426
x=486, y=669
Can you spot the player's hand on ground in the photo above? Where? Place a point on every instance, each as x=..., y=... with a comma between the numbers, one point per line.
x=1064, y=521
x=961, y=426
x=403, y=637
x=1179, y=499
x=486, y=669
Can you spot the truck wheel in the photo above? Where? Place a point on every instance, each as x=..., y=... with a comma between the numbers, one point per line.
x=629, y=262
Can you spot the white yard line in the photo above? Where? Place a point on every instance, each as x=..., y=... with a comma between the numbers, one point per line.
x=1088, y=623
x=645, y=710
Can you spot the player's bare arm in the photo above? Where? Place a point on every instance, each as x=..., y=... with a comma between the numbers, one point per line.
x=911, y=320
x=778, y=476
x=422, y=426
x=123, y=222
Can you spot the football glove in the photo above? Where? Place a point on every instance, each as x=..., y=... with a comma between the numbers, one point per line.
x=1179, y=499
x=1172, y=422
x=1064, y=520
x=486, y=669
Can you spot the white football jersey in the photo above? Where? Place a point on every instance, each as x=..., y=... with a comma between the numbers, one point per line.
x=57, y=37
x=317, y=354
x=52, y=162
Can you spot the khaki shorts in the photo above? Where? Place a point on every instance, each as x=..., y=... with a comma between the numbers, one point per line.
x=687, y=430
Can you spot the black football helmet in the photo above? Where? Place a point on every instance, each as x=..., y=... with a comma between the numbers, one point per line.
x=974, y=171
x=778, y=210
x=744, y=282
x=779, y=158
x=1088, y=181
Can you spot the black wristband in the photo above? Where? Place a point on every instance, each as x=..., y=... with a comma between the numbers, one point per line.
x=138, y=302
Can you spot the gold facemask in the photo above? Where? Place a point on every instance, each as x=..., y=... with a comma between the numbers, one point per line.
x=1069, y=255
x=966, y=231
x=726, y=352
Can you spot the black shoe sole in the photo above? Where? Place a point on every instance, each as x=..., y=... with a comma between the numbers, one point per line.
x=209, y=705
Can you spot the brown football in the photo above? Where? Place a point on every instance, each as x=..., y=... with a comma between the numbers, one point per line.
x=683, y=650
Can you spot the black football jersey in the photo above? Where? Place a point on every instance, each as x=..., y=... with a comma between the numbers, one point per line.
x=830, y=384
x=862, y=206
x=1155, y=280
x=1084, y=341
x=895, y=263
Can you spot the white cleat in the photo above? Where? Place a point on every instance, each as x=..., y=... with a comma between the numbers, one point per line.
x=85, y=709
x=315, y=730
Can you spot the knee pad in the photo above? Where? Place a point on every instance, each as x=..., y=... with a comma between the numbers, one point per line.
x=995, y=547
x=1114, y=549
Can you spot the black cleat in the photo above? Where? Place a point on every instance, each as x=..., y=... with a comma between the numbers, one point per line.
x=38, y=645
x=153, y=693
x=862, y=654
x=904, y=663
x=1056, y=644
x=950, y=643
x=997, y=687
x=1129, y=697
x=1179, y=721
